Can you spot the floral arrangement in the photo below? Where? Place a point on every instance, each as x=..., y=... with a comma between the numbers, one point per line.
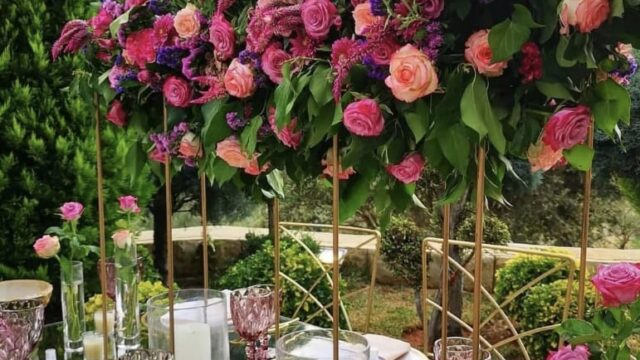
x=608, y=335
x=252, y=89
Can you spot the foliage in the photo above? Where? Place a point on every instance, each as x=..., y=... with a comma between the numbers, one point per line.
x=520, y=271
x=495, y=230
x=401, y=244
x=296, y=263
x=544, y=305
x=146, y=290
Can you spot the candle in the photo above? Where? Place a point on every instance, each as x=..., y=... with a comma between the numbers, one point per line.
x=93, y=344
x=192, y=341
x=97, y=320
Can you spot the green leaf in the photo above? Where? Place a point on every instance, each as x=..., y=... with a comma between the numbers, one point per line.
x=613, y=105
x=355, y=195
x=617, y=8
x=578, y=331
x=550, y=19
x=275, y=180
x=249, y=136
x=211, y=109
x=624, y=353
x=321, y=124
x=522, y=15
x=282, y=96
x=506, y=39
x=553, y=90
x=215, y=127
x=418, y=120
x=477, y=114
x=580, y=157
x=320, y=85
x=455, y=146
x=222, y=172
x=119, y=21
x=337, y=115
x=135, y=160
x=561, y=52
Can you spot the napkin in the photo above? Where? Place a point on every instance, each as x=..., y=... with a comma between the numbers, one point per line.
x=388, y=348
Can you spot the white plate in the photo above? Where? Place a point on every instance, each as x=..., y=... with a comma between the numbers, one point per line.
x=414, y=355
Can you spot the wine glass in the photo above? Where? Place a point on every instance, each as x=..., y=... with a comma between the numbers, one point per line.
x=147, y=355
x=252, y=314
x=458, y=348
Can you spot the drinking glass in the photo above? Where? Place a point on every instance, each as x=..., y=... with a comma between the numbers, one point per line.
x=147, y=355
x=252, y=312
x=458, y=348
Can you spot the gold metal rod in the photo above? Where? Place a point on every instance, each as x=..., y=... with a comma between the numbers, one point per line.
x=423, y=297
x=101, y=226
x=336, y=244
x=276, y=262
x=446, y=220
x=584, y=235
x=477, y=275
x=372, y=284
x=169, y=230
x=205, y=237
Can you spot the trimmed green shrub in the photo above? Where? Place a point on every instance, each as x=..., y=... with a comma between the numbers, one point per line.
x=257, y=268
x=401, y=244
x=543, y=306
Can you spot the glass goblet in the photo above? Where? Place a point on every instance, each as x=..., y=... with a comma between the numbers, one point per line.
x=252, y=315
x=147, y=355
x=458, y=348
x=21, y=326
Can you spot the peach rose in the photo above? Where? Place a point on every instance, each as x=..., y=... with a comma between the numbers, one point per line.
x=47, y=246
x=238, y=80
x=412, y=75
x=254, y=168
x=585, y=15
x=186, y=22
x=121, y=238
x=230, y=151
x=363, y=17
x=478, y=53
x=543, y=158
x=190, y=146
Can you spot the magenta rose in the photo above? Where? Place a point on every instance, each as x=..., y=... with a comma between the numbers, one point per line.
x=431, y=9
x=100, y=23
x=408, y=170
x=618, y=284
x=222, y=36
x=318, y=16
x=129, y=203
x=139, y=48
x=272, y=60
x=580, y=352
x=128, y=4
x=71, y=211
x=288, y=136
x=47, y=246
x=383, y=51
x=177, y=91
x=116, y=114
x=567, y=127
x=363, y=118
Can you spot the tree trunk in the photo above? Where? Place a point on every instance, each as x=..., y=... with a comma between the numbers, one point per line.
x=158, y=209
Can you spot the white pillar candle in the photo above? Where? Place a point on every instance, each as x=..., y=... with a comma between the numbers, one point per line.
x=97, y=320
x=93, y=344
x=192, y=341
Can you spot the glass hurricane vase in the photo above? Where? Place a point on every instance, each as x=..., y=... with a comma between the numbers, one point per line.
x=126, y=294
x=72, y=292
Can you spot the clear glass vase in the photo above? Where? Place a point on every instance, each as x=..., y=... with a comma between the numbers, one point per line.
x=72, y=291
x=127, y=307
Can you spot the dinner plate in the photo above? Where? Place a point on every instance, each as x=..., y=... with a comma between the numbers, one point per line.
x=414, y=354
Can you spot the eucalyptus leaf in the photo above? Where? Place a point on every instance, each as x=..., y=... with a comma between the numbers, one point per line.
x=115, y=25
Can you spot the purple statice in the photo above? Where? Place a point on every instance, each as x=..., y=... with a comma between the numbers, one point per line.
x=249, y=57
x=235, y=122
x=122, y=37
x=167, y=143
x=112, y=8
x=623, y=76
x=161, y=142
x=171, y=56
x=179, y=130
x=260, y=80
x=118, y=60
x=378, y=7
x=130, y=75
x=158, y=7
x=189, y=62
x=264, y=131
x=375, y=71
x=433, y=40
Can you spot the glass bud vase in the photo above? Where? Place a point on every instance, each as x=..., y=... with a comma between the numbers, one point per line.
x=127, y=308
x=72, y=291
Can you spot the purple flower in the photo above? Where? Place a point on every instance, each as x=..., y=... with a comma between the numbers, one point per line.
x=130, y=75
x=158, y=7
x=235, y=122
x=171, y=56
x=375, y=71
x=264, y=131
x=433, y=40
x=112, y=8
x=378, y=7
x=189, y=62
x=249, y=57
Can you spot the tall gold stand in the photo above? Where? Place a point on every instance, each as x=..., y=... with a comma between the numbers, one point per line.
x=336, y=244
x=477, y=274
x=584, y=234
x=169, y=230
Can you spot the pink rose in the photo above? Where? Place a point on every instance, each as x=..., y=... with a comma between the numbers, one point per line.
x=287, y=135
x=383, y=51
x=254, y=167
x=128, y=4
x=116, y=114
x=567, y=127
x=190, y=146
x=618, y=284
x=222, y=36
x=121, y=238
x=47, y=246
x=432, y=9
x=129, y=203
x=581, y=352
x=408, y=170
x=363, y=118
x=230, y=151
x=585, y=15
x=186, y=22
x=238, y=80
x=412, y=74
x=71, y=211
x=100, y=23
x=149, y=78
x=364, y=18
x=318, y=16
x=177, y=91
x=272, y=60
x=139, y=48
x=543, y=158
x=478, y=53
x=157, y=156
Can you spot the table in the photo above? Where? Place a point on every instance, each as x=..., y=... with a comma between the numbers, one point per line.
x=52, y=337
